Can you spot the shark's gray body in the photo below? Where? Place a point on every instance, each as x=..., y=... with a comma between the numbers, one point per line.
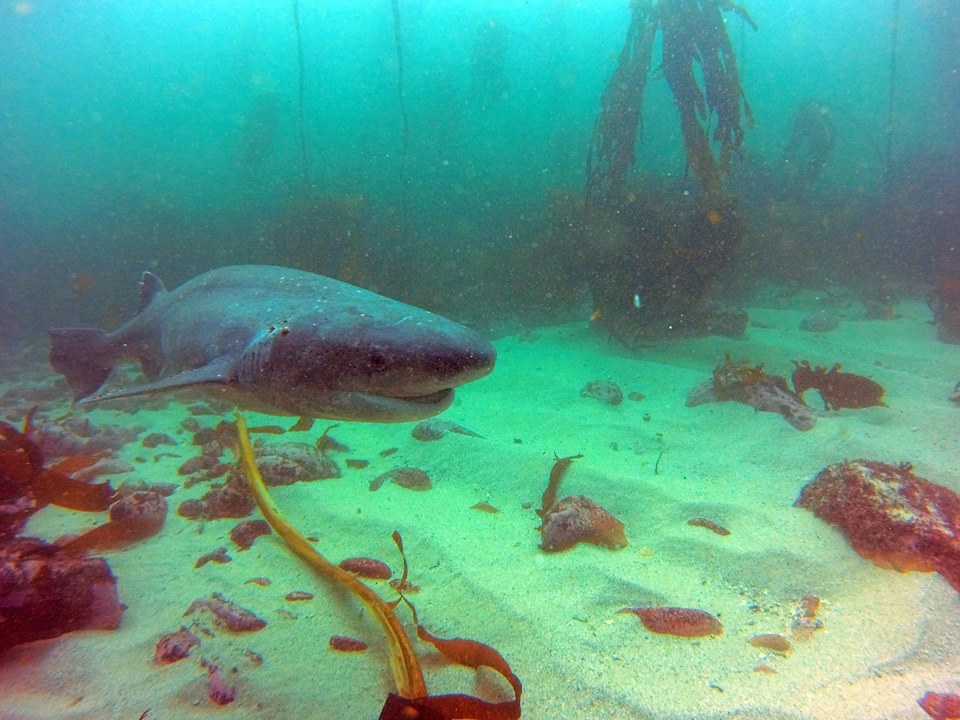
x=281, y=341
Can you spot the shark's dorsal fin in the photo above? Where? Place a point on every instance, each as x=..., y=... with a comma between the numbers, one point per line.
x=217, y=372
x=150, y=288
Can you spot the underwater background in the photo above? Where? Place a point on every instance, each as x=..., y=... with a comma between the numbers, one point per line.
x=657, y=210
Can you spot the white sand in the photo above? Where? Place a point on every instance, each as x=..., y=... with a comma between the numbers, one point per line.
x=886, y=639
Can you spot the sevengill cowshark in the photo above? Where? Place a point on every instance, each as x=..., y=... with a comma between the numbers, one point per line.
x=282, y=342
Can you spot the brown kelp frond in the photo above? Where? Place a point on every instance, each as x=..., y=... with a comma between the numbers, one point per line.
x=695, y=34
x=695, y=45
x=611, y=152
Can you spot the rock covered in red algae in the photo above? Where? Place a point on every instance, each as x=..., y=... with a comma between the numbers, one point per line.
x=940, y=706
x=229, y=614
x=174, y=646
x=46, y=592
x=367, y=568
x=218, y=689
x=133, y=517
x=576, y=519
x=228, y=500
x=246, y=532
x=890, y=516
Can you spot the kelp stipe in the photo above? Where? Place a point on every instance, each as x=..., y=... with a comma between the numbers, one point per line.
x=411, y=700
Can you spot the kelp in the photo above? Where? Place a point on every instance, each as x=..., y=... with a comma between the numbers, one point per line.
x=695, y=45
x=411, y=699
x=611, y=152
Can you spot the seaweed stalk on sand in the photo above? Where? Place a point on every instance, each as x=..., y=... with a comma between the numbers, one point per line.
x=411, y=700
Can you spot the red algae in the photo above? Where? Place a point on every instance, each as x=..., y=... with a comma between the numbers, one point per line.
x=134, y=517
x=218, y=556
x=682, y=622
x=577, y=519
x=228, y=614
x=890, y=516
x=485, y=507
x=174, y=646
x=771, y=641
x=244, y=533
x=941, y=706
x=369, y=568
x=805, y=622
x=708, y=524
x=838, y=389
x=342, y=643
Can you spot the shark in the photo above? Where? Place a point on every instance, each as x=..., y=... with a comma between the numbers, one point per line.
x=282, y=342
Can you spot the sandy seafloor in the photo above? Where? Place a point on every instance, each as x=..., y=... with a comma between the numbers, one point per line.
x=886, y=637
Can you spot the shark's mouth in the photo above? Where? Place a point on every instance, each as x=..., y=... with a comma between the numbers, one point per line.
x=434, y=398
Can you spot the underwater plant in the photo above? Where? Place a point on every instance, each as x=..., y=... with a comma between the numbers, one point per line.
x=695, y=44
x=659, y=283
x=411, y=701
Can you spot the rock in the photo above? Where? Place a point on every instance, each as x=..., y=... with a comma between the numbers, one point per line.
x=410, y=478
x=820, y=322
x=246, y=532
x=196, y=464
x=46, y=592
x=289, y=462
x=434, y=429
x=156, y=439
x=890, y=516
x=174, y=646
x=603, y=390
x=229, y=500
x=736, y=381
x=578, y=519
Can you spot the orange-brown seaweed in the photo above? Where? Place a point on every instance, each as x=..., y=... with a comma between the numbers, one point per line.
x=132, y=518
x=553, y=486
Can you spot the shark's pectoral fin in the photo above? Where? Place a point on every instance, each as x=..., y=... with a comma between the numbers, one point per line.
x=218, y=371
x=304, y=424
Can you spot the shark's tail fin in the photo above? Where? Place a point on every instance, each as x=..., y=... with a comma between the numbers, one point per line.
x=84, y=356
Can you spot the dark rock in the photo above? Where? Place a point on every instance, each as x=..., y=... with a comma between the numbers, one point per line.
x=156, y=439
x=174, y=646
x=290, y=462
x=820, y=322
x=406, y=477
x=603, y=390
x=196, y=464
x=46, y=592
x=434, y=429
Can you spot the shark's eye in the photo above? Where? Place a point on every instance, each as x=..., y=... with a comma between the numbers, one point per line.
x=376, y=360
